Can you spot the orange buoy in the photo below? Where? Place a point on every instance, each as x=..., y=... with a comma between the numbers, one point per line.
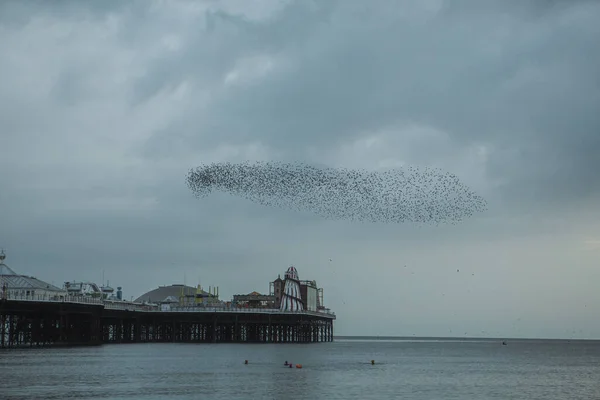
x=298, y=365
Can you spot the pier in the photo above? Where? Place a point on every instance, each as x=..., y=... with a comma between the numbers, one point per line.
x=216, y=327
x=291, y=313
x=67, y=323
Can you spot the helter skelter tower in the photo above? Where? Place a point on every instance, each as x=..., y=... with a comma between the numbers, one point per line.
x=291, y=299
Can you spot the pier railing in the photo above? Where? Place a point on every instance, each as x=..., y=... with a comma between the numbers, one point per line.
x=113, y=305
x=203, y=309
x=51, y=298
x=129, y=306
x=246, y=310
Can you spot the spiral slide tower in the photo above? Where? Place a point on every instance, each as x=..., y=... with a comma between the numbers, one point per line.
x=291, y=299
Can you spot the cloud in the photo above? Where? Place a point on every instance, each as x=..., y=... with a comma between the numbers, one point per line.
x=515, y=88
x=105, y=107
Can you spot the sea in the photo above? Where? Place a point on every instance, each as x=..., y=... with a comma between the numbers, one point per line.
x=477, y=369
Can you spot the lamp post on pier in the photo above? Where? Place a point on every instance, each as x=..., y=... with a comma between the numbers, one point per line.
x=2, y=282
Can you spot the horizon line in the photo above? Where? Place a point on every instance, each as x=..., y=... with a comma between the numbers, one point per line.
x=457, y=338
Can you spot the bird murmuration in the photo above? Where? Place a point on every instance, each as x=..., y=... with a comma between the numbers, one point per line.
x=393, y=196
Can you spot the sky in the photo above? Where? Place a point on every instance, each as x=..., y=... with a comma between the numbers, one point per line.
x=106, y=106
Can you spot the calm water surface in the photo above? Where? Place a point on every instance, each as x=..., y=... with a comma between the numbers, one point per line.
x=475, y=370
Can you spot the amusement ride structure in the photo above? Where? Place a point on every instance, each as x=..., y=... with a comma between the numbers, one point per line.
x=291, y=299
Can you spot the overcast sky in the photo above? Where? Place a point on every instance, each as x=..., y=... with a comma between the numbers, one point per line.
x=106, y=105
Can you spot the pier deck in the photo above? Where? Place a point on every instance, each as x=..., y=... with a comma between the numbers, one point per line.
x=29, y=323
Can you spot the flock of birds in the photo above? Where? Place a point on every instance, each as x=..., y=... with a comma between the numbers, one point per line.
x=393, y=196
